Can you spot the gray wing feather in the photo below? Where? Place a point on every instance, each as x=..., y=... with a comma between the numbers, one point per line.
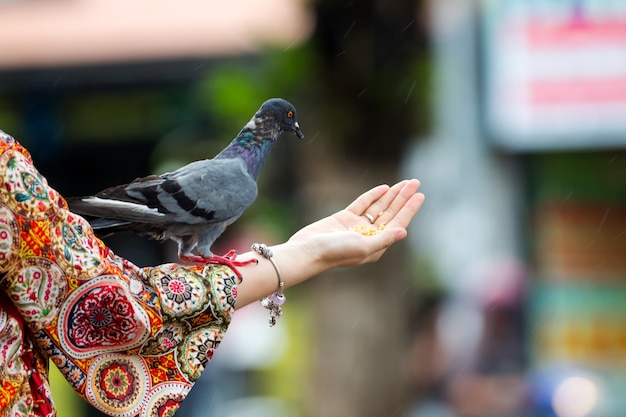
x=207, y=191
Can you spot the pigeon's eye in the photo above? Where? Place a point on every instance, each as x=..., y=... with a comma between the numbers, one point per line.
x=290, y=114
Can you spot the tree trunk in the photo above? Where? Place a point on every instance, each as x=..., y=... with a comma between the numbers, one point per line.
x=371, y=99
x=361, y=313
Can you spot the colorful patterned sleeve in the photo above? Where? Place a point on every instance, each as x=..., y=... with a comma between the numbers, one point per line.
x=132, y=341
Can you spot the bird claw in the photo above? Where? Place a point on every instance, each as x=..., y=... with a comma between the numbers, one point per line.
x=229, y=259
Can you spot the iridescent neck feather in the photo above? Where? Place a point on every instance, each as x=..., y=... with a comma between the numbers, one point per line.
x=253, y=144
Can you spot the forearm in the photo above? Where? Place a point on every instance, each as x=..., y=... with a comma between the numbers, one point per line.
x=301, y=259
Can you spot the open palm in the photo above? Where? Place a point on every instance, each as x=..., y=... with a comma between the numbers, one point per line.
x=391, y=207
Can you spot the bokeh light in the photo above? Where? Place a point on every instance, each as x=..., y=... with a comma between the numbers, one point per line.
x=575, y=397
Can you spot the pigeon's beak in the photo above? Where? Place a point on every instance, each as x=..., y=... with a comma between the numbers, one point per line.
x=297, y=131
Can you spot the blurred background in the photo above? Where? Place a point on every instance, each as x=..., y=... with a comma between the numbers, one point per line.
x=509, y=297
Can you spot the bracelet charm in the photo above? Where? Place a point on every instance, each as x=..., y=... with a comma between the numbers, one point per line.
x=274, y=302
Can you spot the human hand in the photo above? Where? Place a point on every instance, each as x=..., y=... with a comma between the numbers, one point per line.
x=333, y=240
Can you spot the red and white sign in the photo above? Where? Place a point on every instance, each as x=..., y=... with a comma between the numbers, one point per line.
x=556, y=76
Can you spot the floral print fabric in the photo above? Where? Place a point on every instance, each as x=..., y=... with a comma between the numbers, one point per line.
x=132, y=341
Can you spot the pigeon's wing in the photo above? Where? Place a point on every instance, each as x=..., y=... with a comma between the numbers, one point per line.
x=210, y=191
x=206, y=191
x=121, y=193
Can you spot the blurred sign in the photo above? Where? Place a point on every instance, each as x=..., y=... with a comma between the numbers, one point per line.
x=556, y=73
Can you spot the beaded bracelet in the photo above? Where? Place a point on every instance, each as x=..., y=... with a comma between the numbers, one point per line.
x=277, y=299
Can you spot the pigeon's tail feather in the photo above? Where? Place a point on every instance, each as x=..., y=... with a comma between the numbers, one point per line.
x=108, y=216
x=123, y=211
x=106, y=227
x=101, y=223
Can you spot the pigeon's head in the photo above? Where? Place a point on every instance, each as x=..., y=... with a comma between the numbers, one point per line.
x=283, y=113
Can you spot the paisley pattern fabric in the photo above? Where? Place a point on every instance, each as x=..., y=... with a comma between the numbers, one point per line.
x=132, y=341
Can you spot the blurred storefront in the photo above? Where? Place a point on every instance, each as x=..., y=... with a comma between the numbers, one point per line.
x=577, y=303
x=532, y=112
x=556, y=90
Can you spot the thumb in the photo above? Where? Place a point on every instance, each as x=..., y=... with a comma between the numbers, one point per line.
x=388, y=237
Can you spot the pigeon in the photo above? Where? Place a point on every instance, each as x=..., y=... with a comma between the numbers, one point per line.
x=194, y=204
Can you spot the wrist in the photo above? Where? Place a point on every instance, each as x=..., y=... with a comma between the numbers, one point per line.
x=297, y=261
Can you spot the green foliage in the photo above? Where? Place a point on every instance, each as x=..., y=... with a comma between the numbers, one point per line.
x=233, y=89
x=10, y=121
x=579, y=176
x=117, y=116
x=275, y=215
x=229, y=93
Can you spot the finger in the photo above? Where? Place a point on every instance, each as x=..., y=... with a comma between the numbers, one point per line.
x=400, y=199
x=376, y=209
x=408, y=211
x=366, y=199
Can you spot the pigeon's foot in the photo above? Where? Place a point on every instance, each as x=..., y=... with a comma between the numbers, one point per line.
x=229, y=259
